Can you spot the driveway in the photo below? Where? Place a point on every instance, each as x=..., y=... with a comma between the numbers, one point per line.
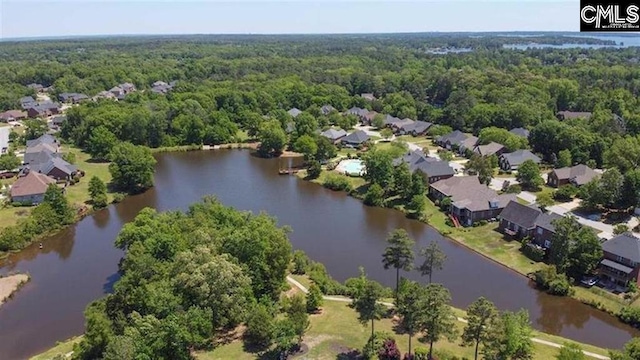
x=528, y=197
x=564, y=208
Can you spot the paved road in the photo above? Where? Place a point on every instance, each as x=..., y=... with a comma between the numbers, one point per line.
x=345, y=299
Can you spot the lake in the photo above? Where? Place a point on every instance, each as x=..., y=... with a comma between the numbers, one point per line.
x=79, y=264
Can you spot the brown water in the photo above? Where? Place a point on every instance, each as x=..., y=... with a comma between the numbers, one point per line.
x=79, y=264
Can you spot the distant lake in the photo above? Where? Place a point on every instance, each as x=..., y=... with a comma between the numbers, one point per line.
x=621, y=42
x=448, y=51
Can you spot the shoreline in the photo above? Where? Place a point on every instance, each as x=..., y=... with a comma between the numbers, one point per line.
x=10, y=284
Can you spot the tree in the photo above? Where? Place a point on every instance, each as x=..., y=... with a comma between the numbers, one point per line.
x=9, y=162
x=439, y=320
x=571, y=351
x=380, y=170
x=509, y=337
x=272, y=138
x=314, y=170
x=306, y=145
x=624, y=154
x=411, y=306
x=374, y=196
x=418, y=183
x=34, y=128
x=480, y=315
x=586, y=253
x=54, y=196
x=285, y=337
x=416, y=206
x=314, y=298
x=386, y=133
x=131, y=167
x=481, y=165
x=402, y=181
x=100, y=143
x=98, y=192
x=565, y=228
x=564, y=159
x=365, y=302
x=399, y=253
x=544, y=200
x=630, y=189
x=445, y=155
x=610, y=189
x=434, y=259
x=296, y=310
x=378, y=121
x=529, y=175
x=325, y=149
x=260, y=326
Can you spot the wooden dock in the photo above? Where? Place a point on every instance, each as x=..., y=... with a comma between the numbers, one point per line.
x=291, y=171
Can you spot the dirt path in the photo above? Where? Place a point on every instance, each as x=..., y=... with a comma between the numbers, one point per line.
x=9, y=284
x=346, y=299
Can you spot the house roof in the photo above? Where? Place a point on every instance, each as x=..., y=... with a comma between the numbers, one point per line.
x=418, y=126
x=519, y=156
x=624, y=245
x=545, y=221
x=40, y=156
x=294, y=112
x=450, y=186
x=520, y=132
x=356, y=137
x=334, y=134
x=573, y=115
x=357, y=111
x=326, y=109
x=521, y=215
x=391, y=120
x=488, y=149
x=13, y=114
x=368, y=96
x=59, y=119
x=417, y=160
x=403, y=122
x=54, y=163
x=617, y=266
x=31, y=184
x=159, y=83
x=454, y=138
x=469, y=143
x=44, y=139
x=467, y=192
x=580, y=174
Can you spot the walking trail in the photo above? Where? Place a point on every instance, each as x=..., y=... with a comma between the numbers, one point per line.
x=302, y=288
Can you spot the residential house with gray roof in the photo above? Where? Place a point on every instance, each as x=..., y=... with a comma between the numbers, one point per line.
x=522, y=132
x=471, y=201
x=452, y=139
x=577, y=175
x=72, y=97
x=621, y=260
x=511, y=161
x=368, y=96
x=294, y=112
x=27, y=102
x=334, y=134
x=415, y=128
x=520, y=221
x=355, y=139
x=568, y=115
x=434, y=169
x=327, y=109
x=492, y=148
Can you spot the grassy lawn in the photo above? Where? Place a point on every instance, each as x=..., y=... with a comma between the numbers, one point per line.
x=337, y=329
x=78, y=194
x=62, y=348
x=544, y=189
x=302, y=279
x=355, y=182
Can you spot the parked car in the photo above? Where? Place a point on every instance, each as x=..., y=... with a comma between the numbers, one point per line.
x=589, y=281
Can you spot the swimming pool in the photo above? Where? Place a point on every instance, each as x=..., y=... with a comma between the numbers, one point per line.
x=351, y=167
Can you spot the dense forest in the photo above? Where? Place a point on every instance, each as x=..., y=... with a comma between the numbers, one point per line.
x=226, y=83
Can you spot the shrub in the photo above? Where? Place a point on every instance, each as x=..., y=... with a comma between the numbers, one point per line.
x=620, y=229
x=565, y=193
x=374, y=196
x=118, y=197
x=630, y=315
x=532, y=251
x=374, y=344
x=337, y=183
x=552, y=282
x=445, y=204
x=314, y=169
x=300, y=262
x=318, y=274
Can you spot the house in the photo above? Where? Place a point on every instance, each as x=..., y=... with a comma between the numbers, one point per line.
x=123, y=89
x=355, y=139
x=55, y=168
x=327, y=109
x=368, y=96
x=568, y=115
x=294, y=112
x=30, y=189
x=333, y=134
x=72, y=97
x=27, y=102
x=522, y=132
x=36, y=87
x=44, y=139
x=389, y=121
x=471, y=201
x=433, y=168
x=621, y=259
x=452, y=139
x=467, y=144
x=4, y=139
x=58, y=121
x=492, y=148
x=39, y=154
x=520, y=221
x=396, y=125
x=361, y=113
x=12, y=115
x=104, y=95
x=416, y=128
x=127, y=87
x=511, y=161
x=367, y=119
x=43, y=109
x=161, y=87
x=577, y=175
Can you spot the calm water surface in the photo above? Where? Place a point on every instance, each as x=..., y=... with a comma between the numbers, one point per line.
x=79, y=264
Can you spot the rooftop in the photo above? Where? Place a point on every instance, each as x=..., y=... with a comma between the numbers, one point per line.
x=31, y=184
x=625, y=245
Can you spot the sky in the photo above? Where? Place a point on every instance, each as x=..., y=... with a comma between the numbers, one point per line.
x=42, y=18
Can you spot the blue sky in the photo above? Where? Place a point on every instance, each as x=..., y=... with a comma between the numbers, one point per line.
x=33, y=18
